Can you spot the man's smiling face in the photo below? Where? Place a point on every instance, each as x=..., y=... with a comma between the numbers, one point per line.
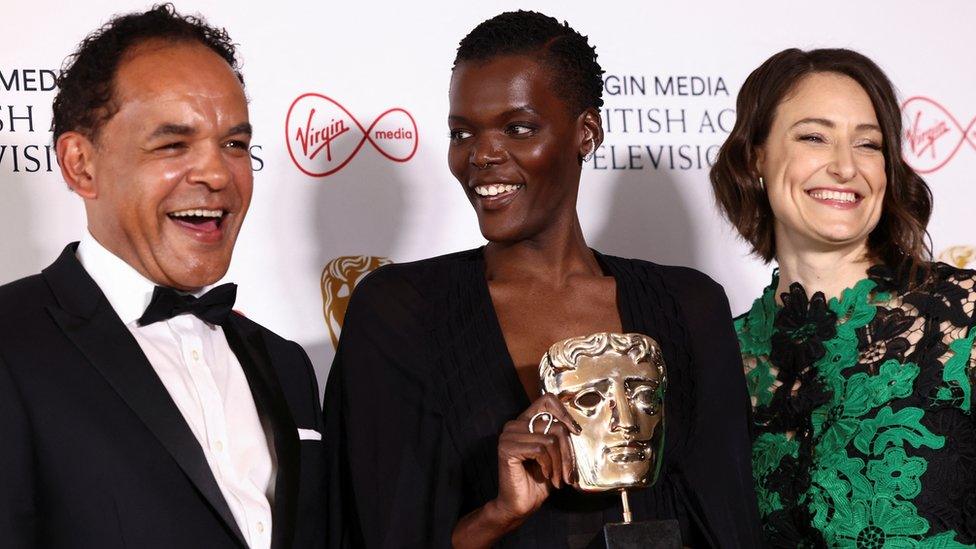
x=171, y=167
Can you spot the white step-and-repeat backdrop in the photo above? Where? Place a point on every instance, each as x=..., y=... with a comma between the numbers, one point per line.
x=383, y=191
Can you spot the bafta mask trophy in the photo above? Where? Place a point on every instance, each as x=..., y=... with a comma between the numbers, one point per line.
x=613, y=386
x=339, y=278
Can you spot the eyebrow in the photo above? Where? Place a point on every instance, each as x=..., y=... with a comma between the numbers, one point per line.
x=244, y=127
x=520, y=109
x=830, y=124
x=510, y=112
x=172, y=129
x=183, y=130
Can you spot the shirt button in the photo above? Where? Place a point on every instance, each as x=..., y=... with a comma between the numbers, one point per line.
x=196, y=355
x=260, y=527
x=219, y=446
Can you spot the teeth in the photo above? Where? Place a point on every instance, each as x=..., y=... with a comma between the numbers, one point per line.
x=842, y=196
x=492, y=190
x=198, y=213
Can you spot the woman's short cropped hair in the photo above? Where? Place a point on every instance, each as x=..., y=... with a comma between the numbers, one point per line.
x=900, y=238
x=567, y=53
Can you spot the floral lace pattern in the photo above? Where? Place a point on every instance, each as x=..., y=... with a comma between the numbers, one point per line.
x=863, y=430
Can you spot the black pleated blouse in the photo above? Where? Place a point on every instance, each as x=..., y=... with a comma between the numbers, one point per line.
x=422, y=385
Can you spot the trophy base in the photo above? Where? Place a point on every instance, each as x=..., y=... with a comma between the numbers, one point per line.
x=651, y=534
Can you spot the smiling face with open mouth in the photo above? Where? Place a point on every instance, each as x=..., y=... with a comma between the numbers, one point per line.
x=515, y=146
x=171, y=168
x=823, y=165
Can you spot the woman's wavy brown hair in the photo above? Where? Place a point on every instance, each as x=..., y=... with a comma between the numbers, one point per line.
x=900, y=240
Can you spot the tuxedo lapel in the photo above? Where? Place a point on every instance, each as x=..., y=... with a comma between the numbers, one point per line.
x=91, y=324
x=247, y=342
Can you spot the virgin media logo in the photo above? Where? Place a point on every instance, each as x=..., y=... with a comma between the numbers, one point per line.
x=322, y=136
x=932, y=135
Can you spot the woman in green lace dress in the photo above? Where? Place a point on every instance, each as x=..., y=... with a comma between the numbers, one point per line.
x=858, y=353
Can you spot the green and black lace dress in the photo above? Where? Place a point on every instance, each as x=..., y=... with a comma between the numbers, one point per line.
x=864, y=434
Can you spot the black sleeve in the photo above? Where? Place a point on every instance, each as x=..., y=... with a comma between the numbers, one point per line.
x=17, y=511
x=718, y=464
x=393, y=476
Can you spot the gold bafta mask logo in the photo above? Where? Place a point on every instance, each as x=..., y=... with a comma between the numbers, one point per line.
x=339, y=278
x=613, y=386
x=959, y=256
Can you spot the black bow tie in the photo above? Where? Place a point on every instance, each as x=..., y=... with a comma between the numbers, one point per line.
x=213, y=307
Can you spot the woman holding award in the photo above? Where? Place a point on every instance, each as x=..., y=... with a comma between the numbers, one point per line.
x=858, y=352
x=436, y=433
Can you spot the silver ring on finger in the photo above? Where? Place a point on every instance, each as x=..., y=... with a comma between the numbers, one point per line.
x=547, y=417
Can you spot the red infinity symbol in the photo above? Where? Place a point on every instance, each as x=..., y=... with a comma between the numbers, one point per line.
x=933, y=136
x=320, y=134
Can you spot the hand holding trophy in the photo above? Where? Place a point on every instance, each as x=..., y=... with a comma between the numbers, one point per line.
x=612, y=386
x=598, y=426
x=534, y=456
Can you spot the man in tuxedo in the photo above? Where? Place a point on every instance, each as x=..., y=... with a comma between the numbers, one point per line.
x=136, y=408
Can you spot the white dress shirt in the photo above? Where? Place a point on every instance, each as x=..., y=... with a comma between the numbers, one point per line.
x=205, y=380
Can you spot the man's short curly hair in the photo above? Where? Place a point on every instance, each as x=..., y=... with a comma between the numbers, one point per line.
x=577, y=76
x=85, y=86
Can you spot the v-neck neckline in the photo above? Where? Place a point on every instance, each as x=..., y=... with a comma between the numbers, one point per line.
x=498, y=336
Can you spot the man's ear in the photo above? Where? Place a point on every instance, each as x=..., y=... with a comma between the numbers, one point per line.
x=75, y=156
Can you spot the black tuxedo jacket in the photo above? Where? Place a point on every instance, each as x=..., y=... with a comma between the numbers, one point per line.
x=95, y=454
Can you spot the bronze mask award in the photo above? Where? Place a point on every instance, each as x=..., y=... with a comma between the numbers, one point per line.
x=613, y=385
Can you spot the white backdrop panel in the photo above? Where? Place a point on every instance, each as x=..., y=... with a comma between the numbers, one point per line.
x=645, y=194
